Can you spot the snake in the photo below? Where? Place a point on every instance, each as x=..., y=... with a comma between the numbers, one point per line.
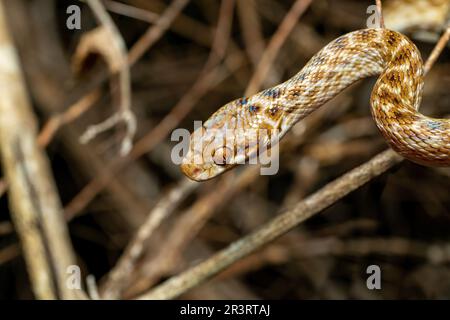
x=394, y=100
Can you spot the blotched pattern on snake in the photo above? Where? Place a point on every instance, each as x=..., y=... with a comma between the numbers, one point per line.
x=394, y=103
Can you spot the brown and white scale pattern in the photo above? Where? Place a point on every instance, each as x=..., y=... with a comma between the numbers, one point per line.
x=395, y=100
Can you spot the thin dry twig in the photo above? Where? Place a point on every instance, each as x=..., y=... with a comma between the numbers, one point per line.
x=182, y=24
x=156, y=31
x=282, y=252
x=251, y=30
x=3, y=186
x=275, y=44
x=437, y=50
x=8, y=253
x=380, y=12
x=131, y=11
x=108, y=41
x=72, y=113
x=6, y=228
x=92, y=289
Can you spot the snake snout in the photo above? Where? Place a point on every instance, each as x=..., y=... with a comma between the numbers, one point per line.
x=191, y=171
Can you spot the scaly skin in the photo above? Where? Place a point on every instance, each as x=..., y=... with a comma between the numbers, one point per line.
x=395, y=100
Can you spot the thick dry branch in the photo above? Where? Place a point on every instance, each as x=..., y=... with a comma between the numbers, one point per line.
x=35, y=206
x=313, y=204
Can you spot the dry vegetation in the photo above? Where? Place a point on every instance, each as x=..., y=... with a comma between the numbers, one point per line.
x=135, y=221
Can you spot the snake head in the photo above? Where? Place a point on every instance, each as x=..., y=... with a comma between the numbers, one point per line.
x=211, y=148
x=229, y=137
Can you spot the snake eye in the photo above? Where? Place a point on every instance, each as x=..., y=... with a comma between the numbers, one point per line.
x=222, y=156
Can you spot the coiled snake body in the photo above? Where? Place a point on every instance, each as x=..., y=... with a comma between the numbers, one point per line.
x=394, y=101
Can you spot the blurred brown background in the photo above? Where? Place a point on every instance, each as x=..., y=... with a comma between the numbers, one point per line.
x=399, y=221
